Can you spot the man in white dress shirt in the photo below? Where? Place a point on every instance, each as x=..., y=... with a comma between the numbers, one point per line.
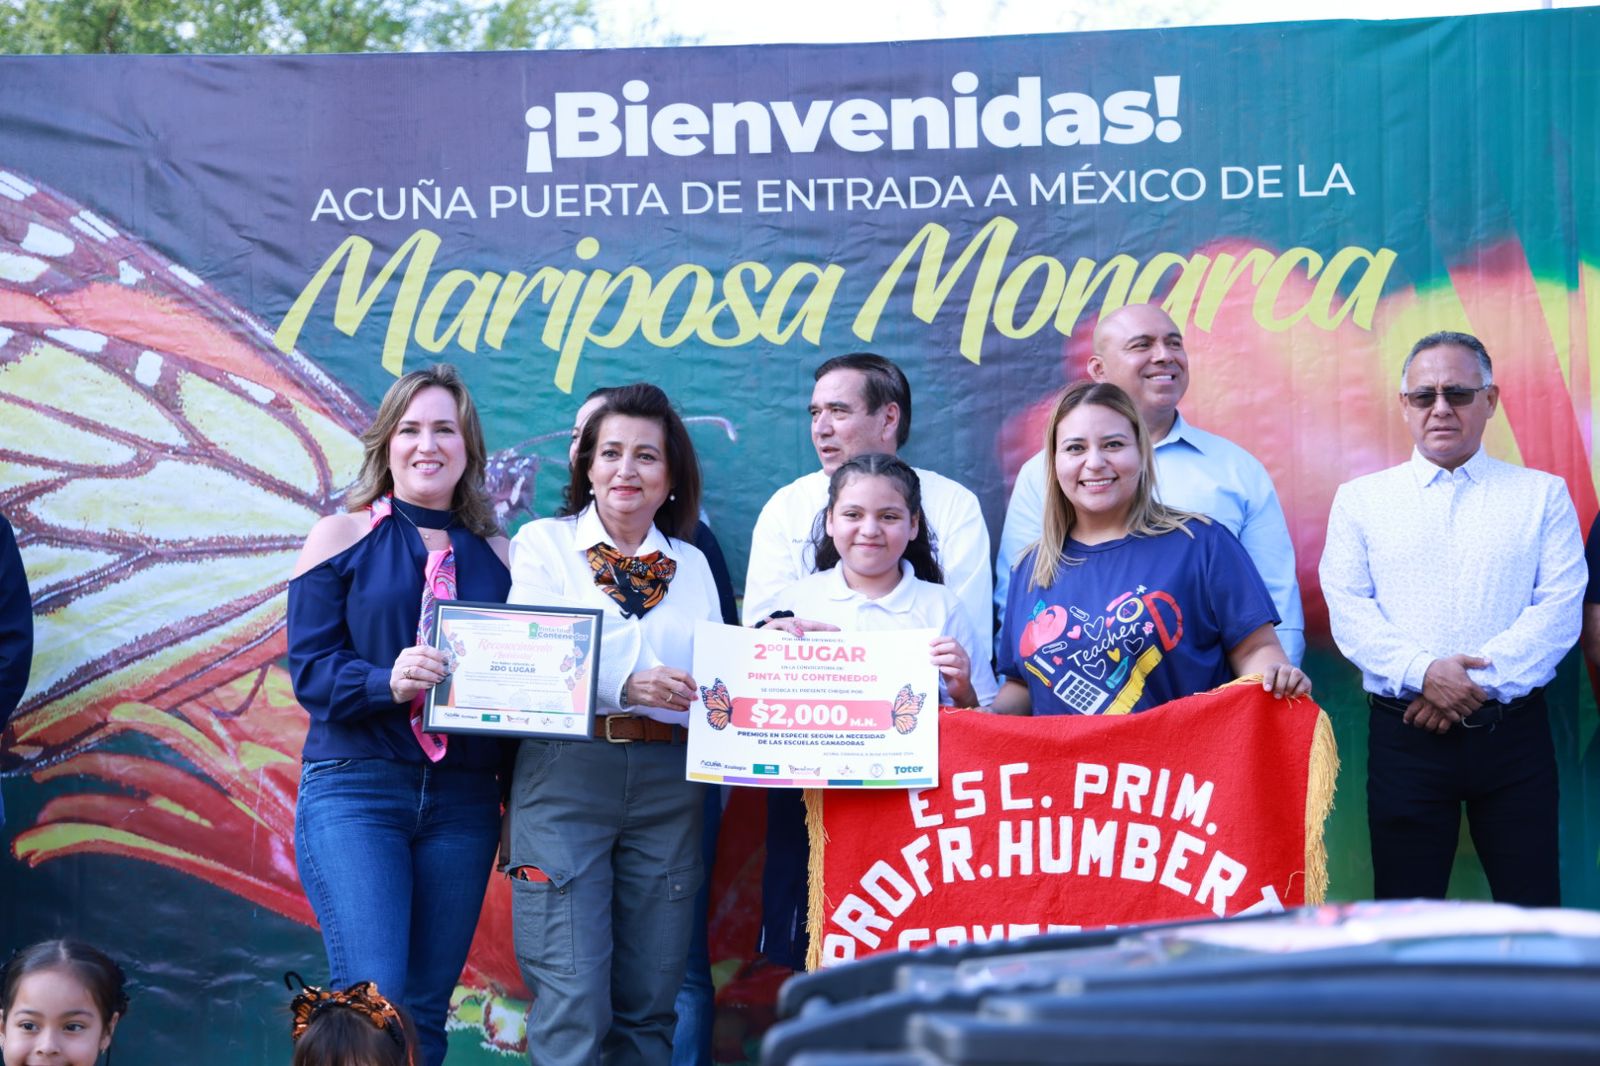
x=1140, y=349
x=1454, y=581
x=861, y=403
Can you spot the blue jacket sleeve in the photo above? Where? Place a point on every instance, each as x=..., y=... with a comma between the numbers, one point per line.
x=331, y=681
x=1591, y=558
x=706, y=541
x=16, y=624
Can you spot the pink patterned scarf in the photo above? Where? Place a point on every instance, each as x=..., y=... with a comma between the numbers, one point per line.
x=438, y=583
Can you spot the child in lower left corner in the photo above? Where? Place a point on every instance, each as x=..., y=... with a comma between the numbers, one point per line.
x=356, y=1027
x=60, y=1002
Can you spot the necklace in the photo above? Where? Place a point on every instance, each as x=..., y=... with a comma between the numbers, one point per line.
x=395, y=508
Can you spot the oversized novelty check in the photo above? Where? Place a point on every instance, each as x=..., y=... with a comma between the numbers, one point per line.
x=827, y=710
x=516, y=670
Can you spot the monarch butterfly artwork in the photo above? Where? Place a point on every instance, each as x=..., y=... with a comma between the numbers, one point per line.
x=907, y=705
x=161, y=462
x=569, y=672
x=719, y=705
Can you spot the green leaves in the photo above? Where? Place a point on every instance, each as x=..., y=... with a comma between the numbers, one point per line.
x=55, y=27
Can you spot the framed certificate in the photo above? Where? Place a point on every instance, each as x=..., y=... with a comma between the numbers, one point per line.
x=517, y=670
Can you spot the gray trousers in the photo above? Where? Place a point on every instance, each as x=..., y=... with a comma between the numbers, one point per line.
x=602, y=943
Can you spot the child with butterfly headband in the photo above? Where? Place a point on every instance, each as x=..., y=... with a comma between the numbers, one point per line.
x=356, y=1027
x=877, y=569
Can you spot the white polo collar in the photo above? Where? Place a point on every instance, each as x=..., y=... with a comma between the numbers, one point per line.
x=898, y=600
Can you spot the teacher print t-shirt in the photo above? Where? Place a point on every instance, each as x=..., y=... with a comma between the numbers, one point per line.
x=1141, y=621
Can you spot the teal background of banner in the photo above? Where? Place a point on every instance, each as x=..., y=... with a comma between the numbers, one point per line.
x=1470, y=145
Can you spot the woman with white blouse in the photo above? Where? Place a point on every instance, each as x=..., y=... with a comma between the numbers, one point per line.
x=604, y=837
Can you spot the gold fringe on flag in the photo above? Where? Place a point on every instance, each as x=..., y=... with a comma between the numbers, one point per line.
x=815, y=903
x=1322, y=772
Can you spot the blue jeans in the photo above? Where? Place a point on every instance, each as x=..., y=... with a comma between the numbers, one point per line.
x=697, y=999
x=394, y=858
x=602, y=931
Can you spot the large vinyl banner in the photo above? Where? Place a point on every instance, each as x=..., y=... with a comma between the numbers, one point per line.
x=212, y=268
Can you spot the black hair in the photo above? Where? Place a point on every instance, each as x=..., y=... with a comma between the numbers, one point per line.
x=342, y=1037
x=94, y=969
x=356, y=1027
x=680, y=513
x=1450, y=337
x=885, y=383
x=921, y=551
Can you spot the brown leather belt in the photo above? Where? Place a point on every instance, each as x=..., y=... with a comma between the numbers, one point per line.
x=631, y=728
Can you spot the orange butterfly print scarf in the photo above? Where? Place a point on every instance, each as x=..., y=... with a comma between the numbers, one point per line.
x=636, y=582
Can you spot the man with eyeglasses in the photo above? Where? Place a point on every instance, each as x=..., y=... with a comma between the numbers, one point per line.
x=1140, y=349
x=1454, y=581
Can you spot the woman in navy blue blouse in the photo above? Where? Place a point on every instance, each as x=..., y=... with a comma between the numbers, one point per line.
x=395, y=828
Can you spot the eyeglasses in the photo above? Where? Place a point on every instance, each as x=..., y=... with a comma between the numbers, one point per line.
x=1455, y=396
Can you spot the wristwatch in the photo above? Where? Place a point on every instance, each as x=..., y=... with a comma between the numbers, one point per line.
x=622, y=697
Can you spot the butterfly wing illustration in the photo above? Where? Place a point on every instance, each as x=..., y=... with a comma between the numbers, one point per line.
x=719, y=705
x=907, y=705
x=161, y=461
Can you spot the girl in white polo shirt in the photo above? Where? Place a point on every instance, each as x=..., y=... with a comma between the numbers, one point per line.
x=877, y=569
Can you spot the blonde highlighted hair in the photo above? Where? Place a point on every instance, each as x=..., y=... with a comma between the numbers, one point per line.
x=1147, y=517
x=471, y=500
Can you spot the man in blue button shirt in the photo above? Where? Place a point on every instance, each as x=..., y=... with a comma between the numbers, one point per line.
x=1140, y=349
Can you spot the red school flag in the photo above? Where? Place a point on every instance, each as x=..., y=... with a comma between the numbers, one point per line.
x=1211, y=805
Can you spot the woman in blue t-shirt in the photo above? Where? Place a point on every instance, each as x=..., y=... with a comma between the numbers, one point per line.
x=1125, y=604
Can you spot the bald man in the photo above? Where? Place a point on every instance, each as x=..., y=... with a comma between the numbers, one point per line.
x=1140, y=349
